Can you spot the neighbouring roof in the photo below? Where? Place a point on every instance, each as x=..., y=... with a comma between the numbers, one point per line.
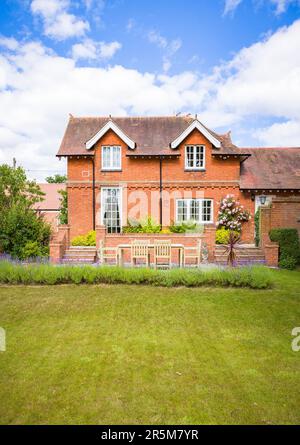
x=152, y=135
x=52, y=197
x=271, y=169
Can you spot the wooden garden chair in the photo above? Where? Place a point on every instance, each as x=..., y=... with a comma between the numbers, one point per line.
x=140, y=251
x=162, y=254
x=193, y=253
x=108, y=253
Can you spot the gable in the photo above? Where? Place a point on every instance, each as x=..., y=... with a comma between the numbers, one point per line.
x=152, y=135
x=195, y=125
x=110, y=125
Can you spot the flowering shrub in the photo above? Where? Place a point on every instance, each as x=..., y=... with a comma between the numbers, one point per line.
x=231, y=214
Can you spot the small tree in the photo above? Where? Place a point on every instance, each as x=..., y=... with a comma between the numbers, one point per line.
x=233, y=240
x=19, y=222
x=56, y=179
x=232, y=214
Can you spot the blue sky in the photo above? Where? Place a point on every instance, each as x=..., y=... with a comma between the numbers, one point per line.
x=236, y=63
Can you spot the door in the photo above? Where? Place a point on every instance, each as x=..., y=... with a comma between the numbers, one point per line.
x=111, y=210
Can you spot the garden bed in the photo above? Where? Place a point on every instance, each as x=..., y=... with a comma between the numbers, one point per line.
x=256, y=277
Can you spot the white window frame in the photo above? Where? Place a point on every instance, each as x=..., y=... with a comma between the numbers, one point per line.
x=111, y=167
x=201, y=200
x=194, y=146
x=121, y=204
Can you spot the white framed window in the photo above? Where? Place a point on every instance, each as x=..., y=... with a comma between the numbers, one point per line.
x=111, y=209
x=198, y=210
x=195, y=157
x=111, y=157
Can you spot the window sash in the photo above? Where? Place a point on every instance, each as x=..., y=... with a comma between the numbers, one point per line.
x=111, y=209
x=195, y=157
x=199, y=210
x=111, y=157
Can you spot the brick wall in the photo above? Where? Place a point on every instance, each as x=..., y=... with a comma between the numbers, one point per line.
x=283, y=213
x=140, y=177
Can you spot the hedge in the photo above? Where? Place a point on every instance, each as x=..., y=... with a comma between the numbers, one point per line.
x=256, y=277
x=289, y=247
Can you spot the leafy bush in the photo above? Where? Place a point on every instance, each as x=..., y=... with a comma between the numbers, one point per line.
x=288, y=262
x=222, y=235
x=256, y=277
x=20, y=227
x=257, y=224
x=177, y=228
x=33, y=249
x=19, y=223
x=289, y=248
x=147, y=225
x=85, y=240
x=186, y=226
x=63, y=212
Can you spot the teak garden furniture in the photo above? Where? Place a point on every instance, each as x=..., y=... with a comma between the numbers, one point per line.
x=193, y=253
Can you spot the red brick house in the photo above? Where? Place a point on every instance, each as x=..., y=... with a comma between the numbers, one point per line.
x=172, y=168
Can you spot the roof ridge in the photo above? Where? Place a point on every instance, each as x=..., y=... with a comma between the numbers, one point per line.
x=270, y=148
x=132, y=117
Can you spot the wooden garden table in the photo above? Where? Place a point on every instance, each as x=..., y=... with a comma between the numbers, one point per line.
x=122, y=247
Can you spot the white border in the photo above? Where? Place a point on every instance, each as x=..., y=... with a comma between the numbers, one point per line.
x=110, y=125
x=121, y=204
x=185, y=158
x=196, y=199
x=196, y=124
x=111, y=169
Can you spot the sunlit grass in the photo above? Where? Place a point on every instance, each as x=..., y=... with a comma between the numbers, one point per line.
x=111, y=354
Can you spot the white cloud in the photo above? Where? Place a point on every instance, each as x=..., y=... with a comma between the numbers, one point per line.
x=9, y=43
x=262, y=81
x=280, y=5
x=159, y=40
x=230, y=6
x=92, y=50
x=130, y=24
x=169, y=47
x=57, y=21
x=285, y=134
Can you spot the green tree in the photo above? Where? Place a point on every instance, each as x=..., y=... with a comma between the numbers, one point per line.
x=56, y=179
x=19, y=222
x=16, y=189
x=63, y=214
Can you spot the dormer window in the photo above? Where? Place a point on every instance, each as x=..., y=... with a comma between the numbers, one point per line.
x=195, y=157
x=111, y=157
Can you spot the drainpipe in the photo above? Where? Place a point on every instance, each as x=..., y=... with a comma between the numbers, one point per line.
x=94, y=195
x=160, y=191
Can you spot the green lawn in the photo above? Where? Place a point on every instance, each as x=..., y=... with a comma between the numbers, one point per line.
x=133, y=354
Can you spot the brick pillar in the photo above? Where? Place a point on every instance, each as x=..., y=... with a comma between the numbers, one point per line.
x=264, y=225
x=271, y=254
x=55, y=254
x=59, y=243
x=100, y=235
x=210, y=240
x=65, y=229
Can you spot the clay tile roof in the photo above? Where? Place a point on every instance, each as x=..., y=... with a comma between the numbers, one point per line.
x=52, y=197
x=152, y=135
x=271, y=169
